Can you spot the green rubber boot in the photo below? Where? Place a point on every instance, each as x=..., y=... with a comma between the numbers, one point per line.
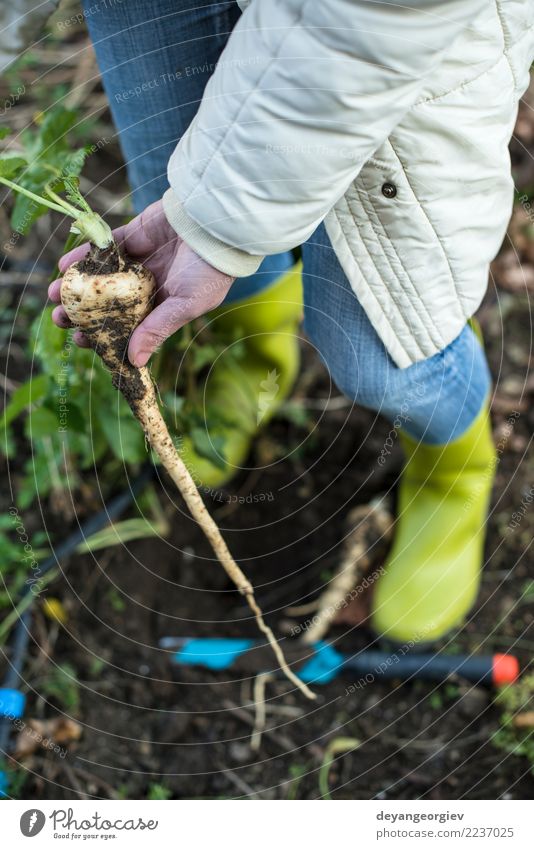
x=248, y=390
x=432, y=573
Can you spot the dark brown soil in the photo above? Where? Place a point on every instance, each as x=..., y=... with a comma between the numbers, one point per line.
x=100, y=261
x=188, y=729
x=124, y=376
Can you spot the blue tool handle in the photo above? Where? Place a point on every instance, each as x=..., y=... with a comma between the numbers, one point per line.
x=12, y=703
x=212, y=652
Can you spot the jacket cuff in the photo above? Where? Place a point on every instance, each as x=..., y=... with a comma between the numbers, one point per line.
x=230, y=260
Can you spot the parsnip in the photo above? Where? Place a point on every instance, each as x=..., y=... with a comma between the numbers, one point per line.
x=107, y=295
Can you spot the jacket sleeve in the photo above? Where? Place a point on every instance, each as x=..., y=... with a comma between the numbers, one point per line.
x=305, y=91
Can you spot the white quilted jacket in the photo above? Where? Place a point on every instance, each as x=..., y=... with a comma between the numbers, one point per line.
x=389, y=122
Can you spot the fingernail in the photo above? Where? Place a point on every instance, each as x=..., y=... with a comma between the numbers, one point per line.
x=54, y=291
x=60, y=317
x=140, y=359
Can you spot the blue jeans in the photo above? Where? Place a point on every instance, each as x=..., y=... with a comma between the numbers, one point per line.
x=155, y=59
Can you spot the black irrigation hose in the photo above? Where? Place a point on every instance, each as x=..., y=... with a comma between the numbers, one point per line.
x=11, y=680
x=21, y=634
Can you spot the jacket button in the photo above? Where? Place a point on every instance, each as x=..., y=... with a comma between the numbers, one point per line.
x=389, y=190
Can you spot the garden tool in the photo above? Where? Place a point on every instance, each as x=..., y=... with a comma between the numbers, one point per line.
x=321, y=663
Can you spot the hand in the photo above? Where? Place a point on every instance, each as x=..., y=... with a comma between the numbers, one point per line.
x=187, y=285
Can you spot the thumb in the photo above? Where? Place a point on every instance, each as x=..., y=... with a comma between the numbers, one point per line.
x=193, y=288
x=159, y=324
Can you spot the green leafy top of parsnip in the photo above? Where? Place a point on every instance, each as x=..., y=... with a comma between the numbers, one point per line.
x=45, y=175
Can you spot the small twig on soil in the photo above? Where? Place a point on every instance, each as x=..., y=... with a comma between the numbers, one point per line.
x=524, y=720
x=30, y=280
x=355, y=562
x=76, y=786
x=7, y=384
x=302, y=609
x=240, y=784
x=338, y=402
x=90, y=776
x=85, y=79
x=245, y=716
x=260, y=682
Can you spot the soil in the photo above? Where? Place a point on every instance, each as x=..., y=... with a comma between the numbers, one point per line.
x=100, y=261
x=145, y=722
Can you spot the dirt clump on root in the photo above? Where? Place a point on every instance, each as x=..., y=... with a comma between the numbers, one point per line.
x=107, y=261
x=128, y=381
x=101, y=261
x=124, y=376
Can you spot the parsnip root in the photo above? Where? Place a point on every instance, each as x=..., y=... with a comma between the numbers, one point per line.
x=107, y=295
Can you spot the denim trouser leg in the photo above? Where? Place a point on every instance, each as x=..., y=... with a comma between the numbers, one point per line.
x=434, y=400
x=155, y=59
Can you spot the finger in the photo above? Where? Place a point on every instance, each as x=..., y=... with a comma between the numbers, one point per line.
x=73, y=256
x=161, y=323
x=60, y=318
x=80, y=340
x=54, y=292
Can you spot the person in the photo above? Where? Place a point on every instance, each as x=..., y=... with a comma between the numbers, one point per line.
x=373, y=135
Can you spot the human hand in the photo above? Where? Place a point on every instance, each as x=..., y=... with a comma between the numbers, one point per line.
x=187, y=286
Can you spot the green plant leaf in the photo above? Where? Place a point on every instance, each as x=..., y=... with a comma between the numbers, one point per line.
x=50, y=345
x=158, y=792
x=203, y=355
x=73, y=193
x=116, y=600
x=61, y=684
x=10, y=163
x=26, y=211
x=41, y=422
x=47, y=150
x=57, y=122
x=74, y=162
x=173, y=403
x=124, y=436
x=74, y=419
x=295, y=413
x=30, y=392
x=209, y=446
x=120, y=533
